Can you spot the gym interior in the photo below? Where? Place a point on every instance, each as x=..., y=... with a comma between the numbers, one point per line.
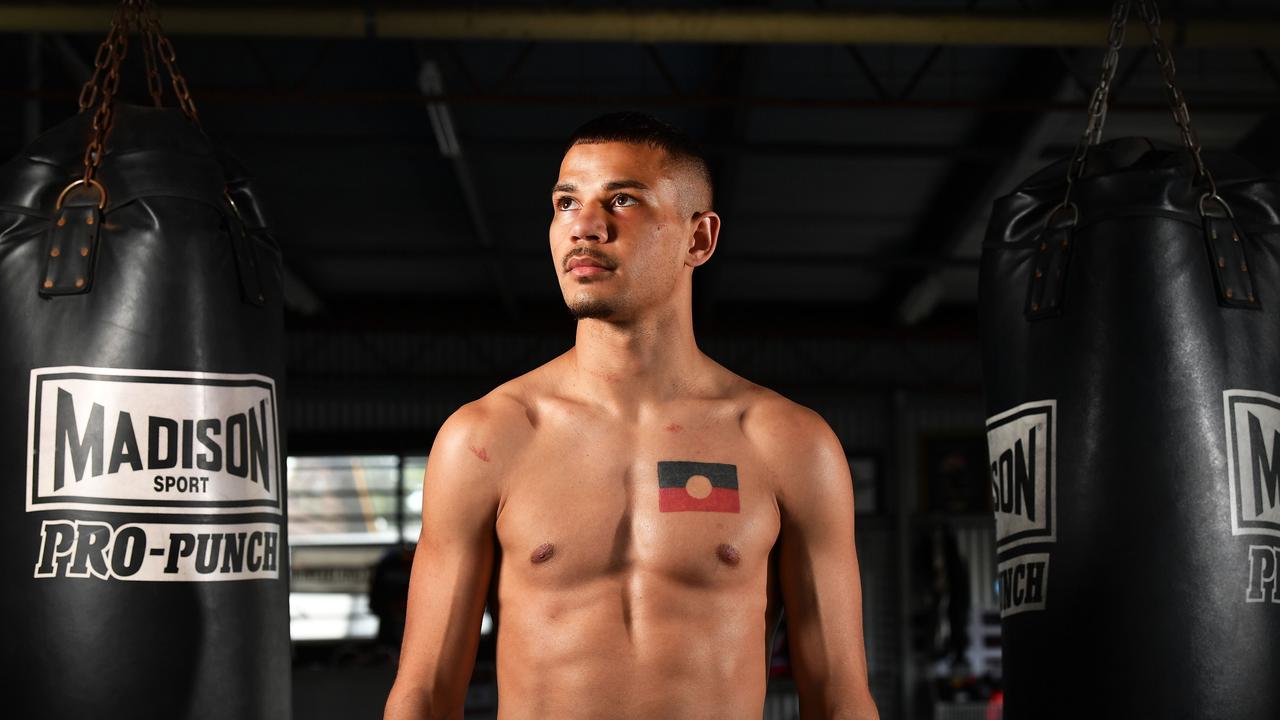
x=402, y=153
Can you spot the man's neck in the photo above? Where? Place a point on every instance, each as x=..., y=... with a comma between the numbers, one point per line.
x=626, y=366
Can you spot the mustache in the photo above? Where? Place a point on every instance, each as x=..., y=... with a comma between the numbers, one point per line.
x=604, y=260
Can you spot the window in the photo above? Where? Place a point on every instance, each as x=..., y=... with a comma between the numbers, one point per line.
x=360, y=499
x=345, y=512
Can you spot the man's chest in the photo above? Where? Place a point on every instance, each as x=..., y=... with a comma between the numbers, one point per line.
x=689, y=501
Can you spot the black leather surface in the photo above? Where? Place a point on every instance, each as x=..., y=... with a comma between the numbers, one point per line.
x=167, y=295
x=1146, y=611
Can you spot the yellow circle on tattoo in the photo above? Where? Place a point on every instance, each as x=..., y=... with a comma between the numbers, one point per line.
x=699, y=486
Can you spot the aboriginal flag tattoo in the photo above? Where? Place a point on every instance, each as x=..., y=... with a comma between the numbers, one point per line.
x=695, y=486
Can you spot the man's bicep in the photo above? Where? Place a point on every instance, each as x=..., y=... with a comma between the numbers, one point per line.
x=818, y=572
x=460, y=489
x=452, y=565
x=818, y=567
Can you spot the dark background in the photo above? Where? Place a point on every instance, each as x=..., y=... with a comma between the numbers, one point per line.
x=408, y=173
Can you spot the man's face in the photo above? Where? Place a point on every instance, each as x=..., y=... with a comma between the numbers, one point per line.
x=620, y=229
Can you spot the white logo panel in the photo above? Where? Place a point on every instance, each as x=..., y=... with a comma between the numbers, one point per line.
x=152, y=441
x=1024, y=583
x=1253, y=461
x=1022, y=450
x=159, y=552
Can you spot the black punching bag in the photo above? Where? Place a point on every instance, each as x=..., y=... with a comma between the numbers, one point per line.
x=1131, y=353
x=144, y=566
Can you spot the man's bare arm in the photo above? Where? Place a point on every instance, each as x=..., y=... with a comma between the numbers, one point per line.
x=451, y=567
x=818, y=573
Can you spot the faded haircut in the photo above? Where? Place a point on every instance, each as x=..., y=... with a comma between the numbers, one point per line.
x=643, y=129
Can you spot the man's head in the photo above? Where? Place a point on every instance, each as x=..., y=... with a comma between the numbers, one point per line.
x=631, y=216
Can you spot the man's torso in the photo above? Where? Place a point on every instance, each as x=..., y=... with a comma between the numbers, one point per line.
x=615, y=603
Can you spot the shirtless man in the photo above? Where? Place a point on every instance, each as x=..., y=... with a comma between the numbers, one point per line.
x=644, y=512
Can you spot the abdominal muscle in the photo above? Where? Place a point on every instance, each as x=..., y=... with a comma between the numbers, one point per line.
x=631, y=645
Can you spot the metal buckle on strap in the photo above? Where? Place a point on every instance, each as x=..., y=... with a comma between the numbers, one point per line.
x=1233, y=282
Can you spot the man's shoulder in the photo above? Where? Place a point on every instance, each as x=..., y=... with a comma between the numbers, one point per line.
x=778, y=424
x=503, y=418
x=795, y=442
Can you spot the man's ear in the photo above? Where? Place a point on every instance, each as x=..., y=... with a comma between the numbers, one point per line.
x=702, y=241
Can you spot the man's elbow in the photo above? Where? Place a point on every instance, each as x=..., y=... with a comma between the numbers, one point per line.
x=845, y=711
x=413, y=703
x=860, y=707
x=863, y=709
x=846, y=706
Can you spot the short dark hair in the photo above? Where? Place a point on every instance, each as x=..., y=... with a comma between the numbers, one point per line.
x=643, y=129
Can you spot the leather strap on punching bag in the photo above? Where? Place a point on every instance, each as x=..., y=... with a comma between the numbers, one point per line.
x=143, y=561
x=1130, y=301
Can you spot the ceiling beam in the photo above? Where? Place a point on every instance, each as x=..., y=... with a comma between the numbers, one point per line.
x=1236, y=104
x=722, y=25
x=431, y=81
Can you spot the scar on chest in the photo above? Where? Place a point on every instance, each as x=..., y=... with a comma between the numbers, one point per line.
x=728, y=554
x=673, y=427
x=542, y=553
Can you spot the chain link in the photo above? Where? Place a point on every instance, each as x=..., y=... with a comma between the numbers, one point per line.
x=154, y=87
x=117, y=46
x=99, y=91
x=1101, y=97
x=1098, y=102
x=170, y=59
x=1150, y=13
x=89, y=92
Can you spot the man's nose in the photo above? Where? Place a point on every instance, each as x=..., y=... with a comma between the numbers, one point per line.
x=591, y=224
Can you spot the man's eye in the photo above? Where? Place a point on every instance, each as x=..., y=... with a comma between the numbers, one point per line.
x=564, y=203
x=623, y=200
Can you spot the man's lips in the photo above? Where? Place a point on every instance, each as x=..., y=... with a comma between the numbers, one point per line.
x=583, y=266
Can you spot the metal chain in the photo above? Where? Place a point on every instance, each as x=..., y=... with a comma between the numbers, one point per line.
x=101, y=88
x=170, y=58
x=117, y=44
x=1150, y=12
x=89, y=91
x=154, y=87
x=1101, y=95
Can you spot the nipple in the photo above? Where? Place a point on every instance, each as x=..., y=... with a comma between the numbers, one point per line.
x=542, y=553
x=728, y=554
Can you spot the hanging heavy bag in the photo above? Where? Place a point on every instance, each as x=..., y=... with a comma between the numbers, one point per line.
x=1130, y=311
x=143, y=562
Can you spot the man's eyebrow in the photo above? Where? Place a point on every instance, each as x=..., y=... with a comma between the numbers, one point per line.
x=611, y=185
x=621, y=184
